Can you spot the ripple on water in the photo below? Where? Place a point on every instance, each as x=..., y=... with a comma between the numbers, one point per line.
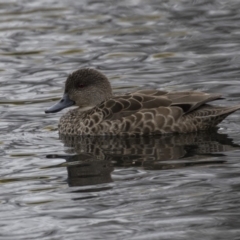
x=175, y=187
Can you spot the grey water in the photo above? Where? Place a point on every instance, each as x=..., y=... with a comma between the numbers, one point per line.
x=170, y=187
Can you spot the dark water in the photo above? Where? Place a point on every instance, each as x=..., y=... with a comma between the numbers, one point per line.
x=180, y=187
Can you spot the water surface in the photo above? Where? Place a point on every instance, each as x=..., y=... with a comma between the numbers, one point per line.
x=174, y=187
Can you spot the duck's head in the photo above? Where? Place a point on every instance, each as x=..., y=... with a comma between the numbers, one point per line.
x=83, y=88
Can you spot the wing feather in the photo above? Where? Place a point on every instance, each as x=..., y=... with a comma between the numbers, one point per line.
x=146, y=100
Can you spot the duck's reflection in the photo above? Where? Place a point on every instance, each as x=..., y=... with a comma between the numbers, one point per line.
x=84, y=169
x=92, y=159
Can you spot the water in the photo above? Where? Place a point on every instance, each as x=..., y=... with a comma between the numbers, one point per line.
x=181, y=187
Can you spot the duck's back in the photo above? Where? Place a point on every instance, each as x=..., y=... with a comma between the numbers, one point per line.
x=147, y=112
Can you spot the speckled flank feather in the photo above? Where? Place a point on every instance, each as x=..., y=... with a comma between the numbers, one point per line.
x=147, y=112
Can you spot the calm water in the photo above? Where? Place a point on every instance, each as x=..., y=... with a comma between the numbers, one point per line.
x=180, y=187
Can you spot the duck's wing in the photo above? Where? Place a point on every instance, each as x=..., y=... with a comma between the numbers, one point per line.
x=142, y=101
x=123, y=106
x=151, y=92
x=190, y=101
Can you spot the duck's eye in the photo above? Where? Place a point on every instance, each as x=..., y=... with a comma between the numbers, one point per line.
x=80, y=85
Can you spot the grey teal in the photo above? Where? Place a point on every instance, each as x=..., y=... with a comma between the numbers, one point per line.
x=144, y=112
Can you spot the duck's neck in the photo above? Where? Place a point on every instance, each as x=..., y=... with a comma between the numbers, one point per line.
x=84, y=109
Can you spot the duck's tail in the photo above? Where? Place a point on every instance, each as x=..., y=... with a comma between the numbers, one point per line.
x=223, y=112
x=209, y=116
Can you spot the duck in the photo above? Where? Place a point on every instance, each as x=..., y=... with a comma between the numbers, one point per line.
x=99, y=112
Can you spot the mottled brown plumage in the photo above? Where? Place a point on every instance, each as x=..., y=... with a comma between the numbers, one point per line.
x=145, y=112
